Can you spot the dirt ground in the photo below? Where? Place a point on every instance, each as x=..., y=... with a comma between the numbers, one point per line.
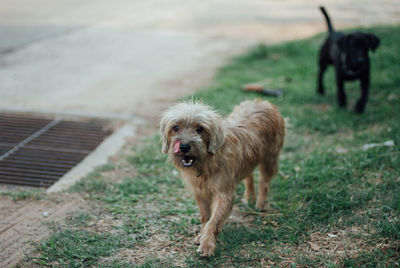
x=23, y=223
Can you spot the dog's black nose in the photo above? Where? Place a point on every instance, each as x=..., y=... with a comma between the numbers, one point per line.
x=184, y=148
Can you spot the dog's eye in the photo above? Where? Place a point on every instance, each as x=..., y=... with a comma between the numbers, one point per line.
x=199, y=129
x=175, y=128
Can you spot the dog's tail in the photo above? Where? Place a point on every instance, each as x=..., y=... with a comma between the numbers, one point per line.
x=328, y=20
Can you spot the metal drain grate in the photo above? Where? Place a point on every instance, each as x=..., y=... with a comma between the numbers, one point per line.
x=38, y=151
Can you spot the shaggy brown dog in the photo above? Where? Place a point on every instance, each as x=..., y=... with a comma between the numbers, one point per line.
x=214, y=155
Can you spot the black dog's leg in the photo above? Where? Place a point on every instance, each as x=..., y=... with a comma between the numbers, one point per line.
x=360, y=106
x=322, y=68
x=340, y=88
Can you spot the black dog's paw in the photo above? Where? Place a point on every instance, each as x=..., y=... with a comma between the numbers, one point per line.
x=360, y=107
x=342, y=101
x=342, y=104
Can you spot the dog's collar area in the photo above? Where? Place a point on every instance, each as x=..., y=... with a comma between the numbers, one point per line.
x=345, y=68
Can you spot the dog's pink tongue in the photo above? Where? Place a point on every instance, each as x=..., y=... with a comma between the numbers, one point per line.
x=177, y=145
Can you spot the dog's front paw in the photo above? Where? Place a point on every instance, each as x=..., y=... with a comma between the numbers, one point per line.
x=342, y=102
x=261, y=206
x=207, y=247
x=196, y=240
x=246, y=200
x=360, y=107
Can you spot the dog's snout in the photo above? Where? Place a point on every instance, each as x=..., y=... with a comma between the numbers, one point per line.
x=184, y=148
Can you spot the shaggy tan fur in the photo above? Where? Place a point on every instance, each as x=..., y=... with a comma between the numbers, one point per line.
x=221, y=154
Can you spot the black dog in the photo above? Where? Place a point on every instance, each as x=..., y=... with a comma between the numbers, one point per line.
x=348, y=53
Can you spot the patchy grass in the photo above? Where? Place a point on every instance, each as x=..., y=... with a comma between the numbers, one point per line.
x=76, y=248
x=19, y=194
x=332, y=204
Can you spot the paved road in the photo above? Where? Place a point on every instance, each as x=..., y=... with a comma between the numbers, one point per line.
x=134, y=57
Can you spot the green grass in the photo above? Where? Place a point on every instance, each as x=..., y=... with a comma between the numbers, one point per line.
x=347, y=203
x=74, y=248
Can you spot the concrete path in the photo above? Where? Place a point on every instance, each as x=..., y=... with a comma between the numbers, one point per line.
x=129, y=57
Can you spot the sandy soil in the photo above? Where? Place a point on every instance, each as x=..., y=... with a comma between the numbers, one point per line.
x=27, y=221
x=24, y=223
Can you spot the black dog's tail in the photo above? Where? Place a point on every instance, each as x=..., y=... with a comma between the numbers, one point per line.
x=328, y=20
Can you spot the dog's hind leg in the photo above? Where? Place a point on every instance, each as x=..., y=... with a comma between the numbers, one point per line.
x=342, y=100
x=323, y=63
x=249, y=194
x=322, y=68
x=268, y=170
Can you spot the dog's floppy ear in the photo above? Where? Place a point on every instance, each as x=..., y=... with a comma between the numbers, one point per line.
x=164, y=139
x=373, y=41
x=217, y=137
